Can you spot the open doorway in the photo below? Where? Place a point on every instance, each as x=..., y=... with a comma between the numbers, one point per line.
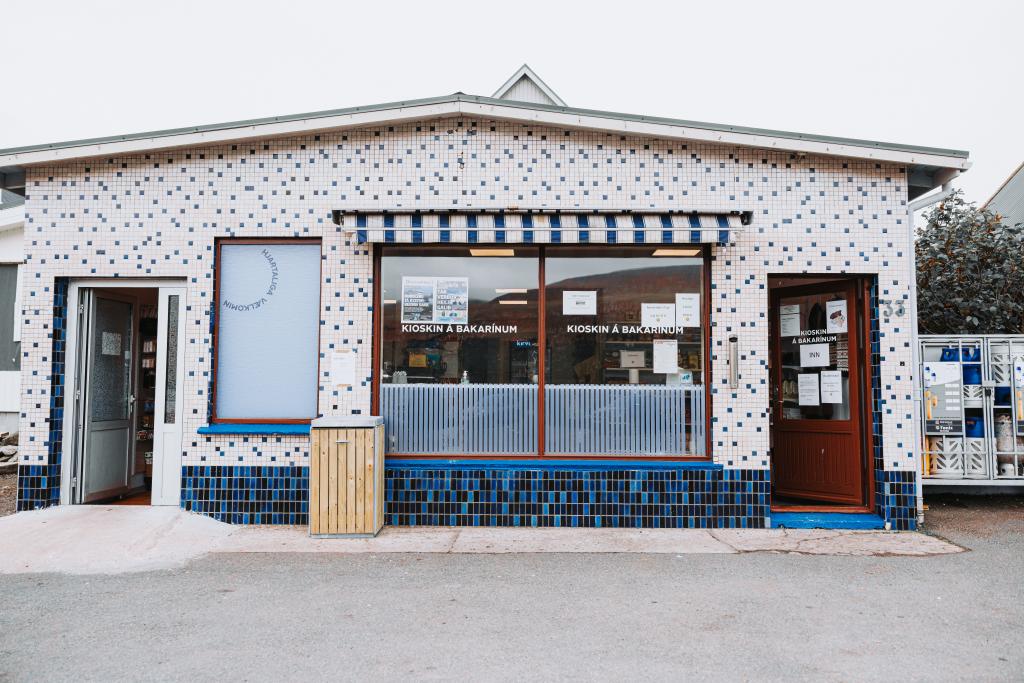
x=821, y=409
x=124, y=360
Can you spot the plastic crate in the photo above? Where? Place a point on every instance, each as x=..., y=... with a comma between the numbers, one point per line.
x=946, y=456
x=976, y=460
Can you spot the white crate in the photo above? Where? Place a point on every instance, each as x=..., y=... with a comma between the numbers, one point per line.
x=1002, y=374
x=946, y=454
x=976, y=460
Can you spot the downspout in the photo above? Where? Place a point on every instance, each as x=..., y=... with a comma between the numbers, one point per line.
x=915, y=344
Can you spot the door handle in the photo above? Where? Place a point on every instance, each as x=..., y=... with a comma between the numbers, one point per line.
x=341, y=441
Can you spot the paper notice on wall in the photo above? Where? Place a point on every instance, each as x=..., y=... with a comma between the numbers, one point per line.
x=579, y=303
x=814, y=356
x=343, y=368
x=666, y=356
x=110, y=344
x=807, y=390
x=631, y=359
x=831, y=386
x=687, y=310
x=835, y=316
x=658, y=315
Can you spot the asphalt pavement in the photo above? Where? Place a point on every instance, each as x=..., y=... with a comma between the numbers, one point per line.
x=746, y=616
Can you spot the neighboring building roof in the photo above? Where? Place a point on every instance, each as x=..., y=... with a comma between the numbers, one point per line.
x=929, y=167
x=9, y=200
x=1008, y=201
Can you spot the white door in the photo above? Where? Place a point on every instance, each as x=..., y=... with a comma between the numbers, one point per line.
x=170, y=361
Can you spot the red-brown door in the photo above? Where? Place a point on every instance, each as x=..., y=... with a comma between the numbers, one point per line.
x=818, y=438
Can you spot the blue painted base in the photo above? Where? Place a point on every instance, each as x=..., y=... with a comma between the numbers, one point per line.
x=826, y=520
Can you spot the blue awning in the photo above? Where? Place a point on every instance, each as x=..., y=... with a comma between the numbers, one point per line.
x=542, y=228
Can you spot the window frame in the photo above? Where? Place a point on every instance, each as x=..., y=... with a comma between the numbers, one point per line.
x=543, y=251
x=218, y=243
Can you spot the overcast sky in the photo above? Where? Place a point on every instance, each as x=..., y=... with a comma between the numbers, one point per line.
x=943, y=74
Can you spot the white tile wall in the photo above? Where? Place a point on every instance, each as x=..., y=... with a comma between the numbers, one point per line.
x=158, y=214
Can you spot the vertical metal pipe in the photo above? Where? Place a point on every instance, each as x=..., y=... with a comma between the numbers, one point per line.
x=734, y=362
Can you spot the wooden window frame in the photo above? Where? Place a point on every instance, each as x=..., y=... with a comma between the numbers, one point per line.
x=543, y=251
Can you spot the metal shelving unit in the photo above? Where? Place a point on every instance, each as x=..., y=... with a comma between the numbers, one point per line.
x=973, y=410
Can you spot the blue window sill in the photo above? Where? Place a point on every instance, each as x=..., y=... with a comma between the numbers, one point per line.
x=550, y=464
x=256, y=428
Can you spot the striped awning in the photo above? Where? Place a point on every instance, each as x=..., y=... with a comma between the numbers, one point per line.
x=543, y=228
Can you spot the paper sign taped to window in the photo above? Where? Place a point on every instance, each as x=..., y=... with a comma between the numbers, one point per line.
x=666, y=356
x=835, y=312
x=343, y=368
x=814, y=356
x=658, y=315
x=831, y=386
x=789, y=324
x=687, y=310
x=579, y=303
x=631, y=359
x=110, y=344
x=807, y=389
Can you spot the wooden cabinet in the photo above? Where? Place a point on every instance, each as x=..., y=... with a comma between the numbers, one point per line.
x=346, y=477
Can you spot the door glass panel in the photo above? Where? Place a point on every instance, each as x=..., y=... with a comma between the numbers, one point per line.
x=171, y=373
x=814, y=345
x=110, y=375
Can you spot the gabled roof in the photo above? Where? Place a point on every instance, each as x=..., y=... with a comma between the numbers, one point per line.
x=928, y=167
x=526, y=86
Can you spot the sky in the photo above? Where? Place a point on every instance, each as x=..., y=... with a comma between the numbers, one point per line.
x=941, y=74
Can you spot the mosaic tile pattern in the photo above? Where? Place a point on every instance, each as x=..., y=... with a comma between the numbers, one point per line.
x=39, y=482
x=247, y=494
x=669, y=497
x=157, y=215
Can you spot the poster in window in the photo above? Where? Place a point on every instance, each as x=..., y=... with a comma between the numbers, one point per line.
x=831, y=386
x=579, y=303
x=814, y=355
x=658, y=315
x=418, y=299
x=807, y=389
x=835, y=316
x=451, y=300
x=666, y=356
x=687, y=309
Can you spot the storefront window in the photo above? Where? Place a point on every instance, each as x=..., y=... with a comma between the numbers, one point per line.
x=623, y=317
x=268, y=322
x=458, y=318
x=622, y=371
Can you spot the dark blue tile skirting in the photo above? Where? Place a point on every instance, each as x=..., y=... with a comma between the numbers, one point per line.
x=549, y=494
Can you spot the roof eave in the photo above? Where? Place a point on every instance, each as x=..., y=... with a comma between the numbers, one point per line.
x=460, y=104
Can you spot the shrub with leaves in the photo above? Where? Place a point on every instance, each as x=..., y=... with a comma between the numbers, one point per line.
x=970, y=271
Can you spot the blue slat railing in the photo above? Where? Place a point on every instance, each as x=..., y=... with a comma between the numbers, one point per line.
x=501, y=419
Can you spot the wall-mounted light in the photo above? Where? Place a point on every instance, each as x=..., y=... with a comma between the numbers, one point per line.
x=389, y=301
x=690, y=251
x=513, y=302
x=503, y=290
x=492, y=252
x=734, y=362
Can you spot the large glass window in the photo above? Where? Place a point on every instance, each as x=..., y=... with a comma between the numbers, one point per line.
x=459, y=316
x=624, y=317
x=268, y=322
x=621, y=372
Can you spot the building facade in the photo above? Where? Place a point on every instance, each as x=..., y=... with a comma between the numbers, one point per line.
x=558, y=213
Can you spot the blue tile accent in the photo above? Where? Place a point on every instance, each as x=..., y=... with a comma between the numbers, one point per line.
x=247, y=494
x=826, y=520
x=253, y=428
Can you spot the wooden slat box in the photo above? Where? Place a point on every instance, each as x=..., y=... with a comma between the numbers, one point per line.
x=346, y=476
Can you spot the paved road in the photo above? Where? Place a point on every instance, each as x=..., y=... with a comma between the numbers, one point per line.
x=752, y=616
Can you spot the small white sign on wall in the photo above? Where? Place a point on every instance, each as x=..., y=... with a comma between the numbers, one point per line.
x=343, y=368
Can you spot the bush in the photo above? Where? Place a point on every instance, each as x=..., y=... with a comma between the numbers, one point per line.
x=970, y=271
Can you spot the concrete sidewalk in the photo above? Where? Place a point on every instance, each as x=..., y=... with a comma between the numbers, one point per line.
x=92, y=539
